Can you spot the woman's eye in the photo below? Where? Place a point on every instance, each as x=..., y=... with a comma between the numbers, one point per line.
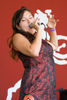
x=30, y=17
x=23, y=20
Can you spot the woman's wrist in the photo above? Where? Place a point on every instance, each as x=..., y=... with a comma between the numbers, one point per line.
x=52, y=29
x=38, y=28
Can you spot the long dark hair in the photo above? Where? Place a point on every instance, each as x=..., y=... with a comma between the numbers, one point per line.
x=15, y=21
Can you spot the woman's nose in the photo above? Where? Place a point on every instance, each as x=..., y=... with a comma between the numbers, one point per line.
x=29, y=21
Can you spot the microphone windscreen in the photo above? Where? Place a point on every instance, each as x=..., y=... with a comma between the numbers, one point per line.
x=31, y=25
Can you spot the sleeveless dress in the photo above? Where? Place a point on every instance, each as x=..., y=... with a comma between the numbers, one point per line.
x=39, y=79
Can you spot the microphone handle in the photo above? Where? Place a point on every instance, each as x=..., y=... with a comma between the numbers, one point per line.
x=31, y=25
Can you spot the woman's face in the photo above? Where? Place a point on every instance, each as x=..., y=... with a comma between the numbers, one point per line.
x=25, y=22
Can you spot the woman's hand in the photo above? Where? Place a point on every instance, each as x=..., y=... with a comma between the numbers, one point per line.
x=36, y=24
x=52, y=22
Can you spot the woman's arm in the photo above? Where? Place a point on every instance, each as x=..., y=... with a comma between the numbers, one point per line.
x=53, y=34
x=53, y=40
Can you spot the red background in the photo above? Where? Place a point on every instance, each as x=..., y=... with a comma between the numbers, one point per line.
x=10, y=71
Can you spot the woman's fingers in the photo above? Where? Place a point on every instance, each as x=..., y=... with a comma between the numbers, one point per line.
x=57, y=20
x=36, y=24
x=37, y=21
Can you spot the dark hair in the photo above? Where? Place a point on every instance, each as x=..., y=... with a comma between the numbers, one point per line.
x=15, y=21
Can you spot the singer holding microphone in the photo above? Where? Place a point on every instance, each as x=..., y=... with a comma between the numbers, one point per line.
x=36, y=54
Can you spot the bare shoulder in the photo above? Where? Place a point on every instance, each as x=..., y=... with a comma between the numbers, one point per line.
x=18, y=35
x=22, y=44
x=19, y=39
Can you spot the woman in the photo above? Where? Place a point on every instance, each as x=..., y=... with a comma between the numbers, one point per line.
x=39, y=80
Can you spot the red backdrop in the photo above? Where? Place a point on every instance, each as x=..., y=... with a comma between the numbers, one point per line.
x=10, y=71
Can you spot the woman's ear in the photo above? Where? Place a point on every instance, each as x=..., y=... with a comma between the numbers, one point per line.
x=19, y=28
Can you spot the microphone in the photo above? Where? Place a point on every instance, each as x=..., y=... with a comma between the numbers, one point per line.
x=31, y=24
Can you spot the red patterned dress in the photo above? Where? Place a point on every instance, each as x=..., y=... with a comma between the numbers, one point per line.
x=39, y=79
